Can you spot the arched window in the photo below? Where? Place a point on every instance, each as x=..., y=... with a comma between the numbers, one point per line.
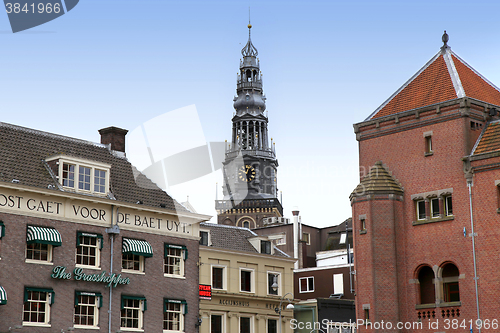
x=426, y=281
x=246, y=224
x=451, y=290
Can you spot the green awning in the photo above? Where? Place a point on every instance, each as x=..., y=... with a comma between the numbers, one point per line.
x=2, y=229
x=137, y=247
x=43, y=235
x=177, y=301
x=3, y=296
x=173, y=246
x=85, y=293
x=42, y=290
x=140, y=298
x=87, y=234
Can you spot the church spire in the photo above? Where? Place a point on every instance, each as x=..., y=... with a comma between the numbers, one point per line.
x=249, y=50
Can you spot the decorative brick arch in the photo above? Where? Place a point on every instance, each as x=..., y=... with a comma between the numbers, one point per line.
x=250, y=220
x=426, y=290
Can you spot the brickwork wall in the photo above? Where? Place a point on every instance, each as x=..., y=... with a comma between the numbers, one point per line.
x=15, y=274
x=401, y=147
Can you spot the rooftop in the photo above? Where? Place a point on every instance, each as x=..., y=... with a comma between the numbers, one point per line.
x=23, y=152
x=445, y=77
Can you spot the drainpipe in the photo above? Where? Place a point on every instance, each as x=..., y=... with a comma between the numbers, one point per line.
x=473, y=235
x=113, y=230
x=296, y=237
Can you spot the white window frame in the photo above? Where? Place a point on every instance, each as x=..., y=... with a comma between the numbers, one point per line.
x=338, y=280
x=307, y=284
x=140, y=319
x=47, y=302
x=209, y=240
x=50, y=250
x=97, y=253
x=251, y=322
x=92, y=165
x=343, y=238
x=252, y=279
x=433, y=214
x=224, y=276
x=96, y=314
x=223, y=319
x=181, y=318
x=279, y=282
x=141, y=265
x=181, y=265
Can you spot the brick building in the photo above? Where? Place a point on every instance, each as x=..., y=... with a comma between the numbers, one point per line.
x=76, y=218
x=420, y=239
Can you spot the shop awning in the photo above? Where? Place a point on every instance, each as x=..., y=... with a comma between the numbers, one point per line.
x=177, y=301
x=43, y=235
x=137, y=247
x=40, y=290
x=3, y=296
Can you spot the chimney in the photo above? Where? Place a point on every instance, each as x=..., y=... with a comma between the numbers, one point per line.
x=114, y=136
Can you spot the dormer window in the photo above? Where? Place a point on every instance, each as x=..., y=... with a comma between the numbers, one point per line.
x=81, y=175
x=265, y=247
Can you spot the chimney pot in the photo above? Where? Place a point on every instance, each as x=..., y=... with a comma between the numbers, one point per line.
x=114, y=136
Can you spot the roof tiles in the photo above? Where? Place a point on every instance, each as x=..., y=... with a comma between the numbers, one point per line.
x=445, y=77
x=489, y=140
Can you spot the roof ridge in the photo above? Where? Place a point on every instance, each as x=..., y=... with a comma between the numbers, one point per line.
x=51, y=135
x=436, y=56
x=227, y=226
x=452, y=71
x=475, y=71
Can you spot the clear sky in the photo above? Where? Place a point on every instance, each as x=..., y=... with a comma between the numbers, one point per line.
x=326, y=65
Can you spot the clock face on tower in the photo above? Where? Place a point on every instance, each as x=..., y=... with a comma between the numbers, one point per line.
x=246, y=173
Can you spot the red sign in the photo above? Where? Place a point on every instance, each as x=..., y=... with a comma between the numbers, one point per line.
x=205, y=291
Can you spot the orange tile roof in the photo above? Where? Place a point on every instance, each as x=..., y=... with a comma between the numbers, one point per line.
x=474, y=84
x=445, y=77
x=489, y=140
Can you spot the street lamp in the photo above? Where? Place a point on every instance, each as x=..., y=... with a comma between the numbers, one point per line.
x=288, y=307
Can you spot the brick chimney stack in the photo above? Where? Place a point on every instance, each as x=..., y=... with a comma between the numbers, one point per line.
x=114, y=136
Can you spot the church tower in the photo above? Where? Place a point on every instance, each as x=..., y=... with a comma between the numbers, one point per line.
x=250, y=165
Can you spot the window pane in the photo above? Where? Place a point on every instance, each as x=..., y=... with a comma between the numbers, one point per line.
x=435, y=207
x=244, y=325
x=217, y=277
x=215, y=324
x=272, y=326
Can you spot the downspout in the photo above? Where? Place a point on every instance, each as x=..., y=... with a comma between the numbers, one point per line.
x=112, y=231
x=473, y=235
x=296, y=237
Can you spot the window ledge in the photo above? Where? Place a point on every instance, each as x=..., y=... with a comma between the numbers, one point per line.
x=362, y=232
x=441, y=219
x=131, y=329
x=86, y=327
x=425, y=306
x=88, y=267
x=429, y=154
x=174, y=276
x=133, y=272
x=40, y=262
x=35, y=324
x=448, y=304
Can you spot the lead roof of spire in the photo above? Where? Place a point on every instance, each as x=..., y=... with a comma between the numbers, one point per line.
x=249, y=50
x=445, y=77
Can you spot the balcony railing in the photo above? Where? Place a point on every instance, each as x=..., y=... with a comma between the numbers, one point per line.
x=226, y=205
